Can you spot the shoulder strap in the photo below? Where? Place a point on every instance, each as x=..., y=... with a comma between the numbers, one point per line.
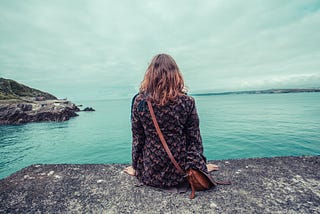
x=163, y=141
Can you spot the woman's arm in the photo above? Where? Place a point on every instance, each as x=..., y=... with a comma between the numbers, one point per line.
x=138, y=136
x=195, y=158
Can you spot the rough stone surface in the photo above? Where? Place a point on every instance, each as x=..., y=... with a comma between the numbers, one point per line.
x=88, y=109
x=36, y=111
x=264, y=185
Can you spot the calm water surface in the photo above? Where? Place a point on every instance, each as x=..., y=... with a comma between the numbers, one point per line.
x=232, y=126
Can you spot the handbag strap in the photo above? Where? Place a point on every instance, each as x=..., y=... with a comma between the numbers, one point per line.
x=163, y=141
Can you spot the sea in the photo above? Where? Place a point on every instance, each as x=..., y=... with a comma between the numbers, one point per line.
x=232, y=127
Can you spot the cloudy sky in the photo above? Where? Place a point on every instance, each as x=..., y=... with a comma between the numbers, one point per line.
x=100, y=49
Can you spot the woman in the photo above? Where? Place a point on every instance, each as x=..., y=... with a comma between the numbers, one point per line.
x=177, y=116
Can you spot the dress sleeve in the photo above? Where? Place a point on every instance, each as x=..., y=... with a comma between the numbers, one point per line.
x=138, y=136
x=195, y=158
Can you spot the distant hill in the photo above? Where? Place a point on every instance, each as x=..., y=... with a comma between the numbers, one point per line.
x=10, y=89
x=269, y=91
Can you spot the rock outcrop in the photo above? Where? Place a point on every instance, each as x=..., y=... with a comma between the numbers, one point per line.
x=88, y=109
x=36, y=111
x=21, y=104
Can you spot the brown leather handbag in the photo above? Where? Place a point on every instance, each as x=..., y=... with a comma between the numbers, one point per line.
x=197, y=179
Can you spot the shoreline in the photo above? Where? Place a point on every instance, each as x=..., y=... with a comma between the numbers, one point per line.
x=278, y=184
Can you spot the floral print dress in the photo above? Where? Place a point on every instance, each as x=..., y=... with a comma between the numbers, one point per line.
x=179, y=124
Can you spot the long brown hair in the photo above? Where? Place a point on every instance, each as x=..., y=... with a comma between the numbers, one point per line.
x=163, y=81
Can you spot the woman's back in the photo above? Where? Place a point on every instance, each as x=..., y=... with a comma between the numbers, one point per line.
x=179, y=123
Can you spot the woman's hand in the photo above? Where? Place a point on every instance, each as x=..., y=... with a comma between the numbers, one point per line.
x=130, y=171
x=212, y=167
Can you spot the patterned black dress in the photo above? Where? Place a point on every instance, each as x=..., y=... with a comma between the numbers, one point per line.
x=179, y=124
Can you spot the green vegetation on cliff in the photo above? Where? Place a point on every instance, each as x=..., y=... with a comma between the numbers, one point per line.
x=10, y=89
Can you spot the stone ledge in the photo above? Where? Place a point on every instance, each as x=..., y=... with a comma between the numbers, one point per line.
x=260, y=185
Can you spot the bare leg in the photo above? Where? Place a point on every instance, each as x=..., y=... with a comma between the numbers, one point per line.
x=212, y=167
x=129, y=170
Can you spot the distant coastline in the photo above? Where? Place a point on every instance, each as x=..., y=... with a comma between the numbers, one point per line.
x=269, y=91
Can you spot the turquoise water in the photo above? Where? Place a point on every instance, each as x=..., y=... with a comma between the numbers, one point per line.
x=232, y=126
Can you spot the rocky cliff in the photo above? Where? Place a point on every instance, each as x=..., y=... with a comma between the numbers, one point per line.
x=21, y=104
x=36, y=111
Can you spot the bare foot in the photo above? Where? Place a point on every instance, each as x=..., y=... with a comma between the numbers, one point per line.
x=130, y=171
x=212, y=167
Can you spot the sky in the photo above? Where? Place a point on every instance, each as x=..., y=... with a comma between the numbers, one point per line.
x=100, y=49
